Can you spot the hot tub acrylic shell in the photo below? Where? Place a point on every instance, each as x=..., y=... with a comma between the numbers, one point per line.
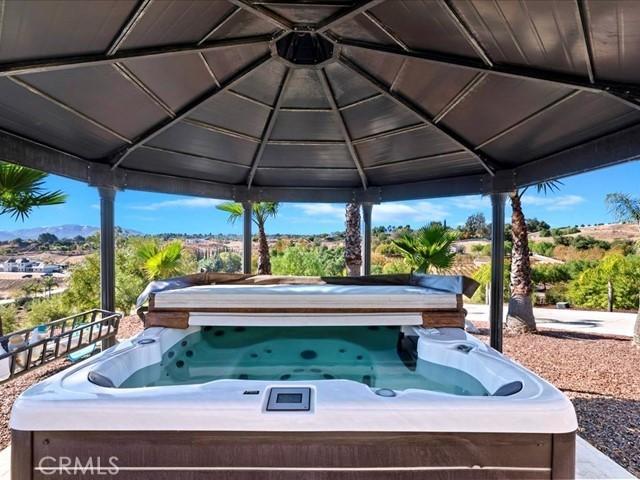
x=453, y=433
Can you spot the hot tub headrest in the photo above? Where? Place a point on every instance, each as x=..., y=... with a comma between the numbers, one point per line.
x=507, y=389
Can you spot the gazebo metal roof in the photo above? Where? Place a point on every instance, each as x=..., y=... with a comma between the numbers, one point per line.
x=319, y=100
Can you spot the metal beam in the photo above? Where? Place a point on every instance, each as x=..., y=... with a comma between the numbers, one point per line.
x=366, y=238
x=460, y=96
x=264, y=13
x=107, y=253
x=128, y=27
x=344, y=15
x=77, y=61
x=486, y=163
x=140, y=85
x=383, y=28
x=246, y=236
x=220, y=24
x=268, y=128
x=628, y=92
x=465, y=31
x=221, y=130
x=185, y=111
x=328, y=92
x=584, y=26
x=496, y=304
x=361, y=101
x=390, y=133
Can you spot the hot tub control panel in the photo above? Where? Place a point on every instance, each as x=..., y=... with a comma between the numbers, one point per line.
x=292, y=399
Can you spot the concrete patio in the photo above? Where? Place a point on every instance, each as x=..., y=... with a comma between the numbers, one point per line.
x=584, y=321
x=590, y=464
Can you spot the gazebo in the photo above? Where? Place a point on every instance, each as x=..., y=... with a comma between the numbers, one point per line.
x=319, y=100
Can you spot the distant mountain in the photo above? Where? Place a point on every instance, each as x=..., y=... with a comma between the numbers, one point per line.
x=60, y=231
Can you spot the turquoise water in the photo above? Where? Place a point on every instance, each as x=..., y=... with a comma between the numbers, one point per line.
x=368, y=355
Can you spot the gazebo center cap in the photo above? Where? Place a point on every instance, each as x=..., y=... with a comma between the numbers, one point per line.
x=304, y=48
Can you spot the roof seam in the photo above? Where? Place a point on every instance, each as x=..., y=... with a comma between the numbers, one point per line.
x=326, y=87
x=269, y=125
x=128, y=27
x=222, y=130
x=195, y=155
x=220, y=24
x=140, y=85
x=464, y=29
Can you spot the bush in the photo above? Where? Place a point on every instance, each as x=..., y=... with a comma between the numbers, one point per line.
x=590, y=289
x=308, y=261
x=557, y=293
x=398, y=265
x=43, y=311
x=9, y=318
x=542, y=248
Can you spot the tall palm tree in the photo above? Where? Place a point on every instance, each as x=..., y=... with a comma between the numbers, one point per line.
x=626, y=208
x=352, y=240
x=49, y=283
x=429, y=249
x=261, y=212
x=22, y=190
x=520, y=317
x=160, y=261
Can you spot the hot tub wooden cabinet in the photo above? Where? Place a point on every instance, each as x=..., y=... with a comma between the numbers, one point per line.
x=298, y=455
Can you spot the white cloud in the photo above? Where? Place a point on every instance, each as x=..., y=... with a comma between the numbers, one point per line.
x=561, y=202
x=181, y=203
x=471, y=202
x=393, y=212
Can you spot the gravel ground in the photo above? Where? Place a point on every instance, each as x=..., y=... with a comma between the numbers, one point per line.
x=11, y=390
x=600, y=374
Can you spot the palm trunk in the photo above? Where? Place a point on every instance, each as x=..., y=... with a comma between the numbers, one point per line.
x=520, y=317
x=352, y=241
x=264, y=260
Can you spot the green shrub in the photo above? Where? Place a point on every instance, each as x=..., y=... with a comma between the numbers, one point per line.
x=9, y=318
x=557, y=293
x=542, y=248
x=590, y=288
x=308, y=261
x=43, y=311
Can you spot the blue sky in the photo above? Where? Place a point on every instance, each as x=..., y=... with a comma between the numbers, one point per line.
x=580, y=200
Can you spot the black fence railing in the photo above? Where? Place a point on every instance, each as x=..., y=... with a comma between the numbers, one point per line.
x=27, y=349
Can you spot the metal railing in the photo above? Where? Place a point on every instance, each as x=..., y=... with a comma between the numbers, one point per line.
x=61, y=337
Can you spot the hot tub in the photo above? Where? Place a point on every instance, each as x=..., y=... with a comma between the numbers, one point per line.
x=286, y=402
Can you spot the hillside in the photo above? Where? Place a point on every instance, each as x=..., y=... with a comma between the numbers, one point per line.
x=60, y=231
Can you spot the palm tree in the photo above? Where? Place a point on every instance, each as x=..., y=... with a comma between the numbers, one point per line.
x=49, y=283
x=352, y=241
x=22, y=190
x=261, y=212
x=160, y=261
x=428, y=249
x=625, y=208
x=520, y=317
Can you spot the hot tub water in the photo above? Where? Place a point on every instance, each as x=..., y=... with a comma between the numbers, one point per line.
x=369, y=355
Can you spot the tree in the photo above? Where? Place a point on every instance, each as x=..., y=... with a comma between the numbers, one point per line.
x=22, y=190
x=428, y=249
x=261, y=212
x=475, y=227
x=48, y=284
x=535, y=225
x=160, y=261
x=520, y=317
x=625, y=208
x=47, y=238
x=352, y=240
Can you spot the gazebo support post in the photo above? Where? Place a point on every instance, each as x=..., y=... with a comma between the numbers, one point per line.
x=498, y=201
x=107, y=254
x=246, y=237
x=366, y=241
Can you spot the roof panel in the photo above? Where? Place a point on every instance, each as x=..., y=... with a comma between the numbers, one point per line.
x=423, y=169
x=103, y=94
x=242, y=24
x=347, y=88
x=418, y=143
x=378, y=115
x=579, y=119
x=227, y=61
x=423, y=25
x=177, y=79
x=382, y=66
x=308, y=156
x=543, y=33
x=32, y=116
x=483, y=112
x=263, y=84
x=194, y=140
x=179, y=164
x=42, y=28
x=301, y=13
x=307, y=177
x=304, y=91
x=422, y=82
x=614, y=28
x=175, y=21
x=233, y=113
x=306, y=126
x=363, y=29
